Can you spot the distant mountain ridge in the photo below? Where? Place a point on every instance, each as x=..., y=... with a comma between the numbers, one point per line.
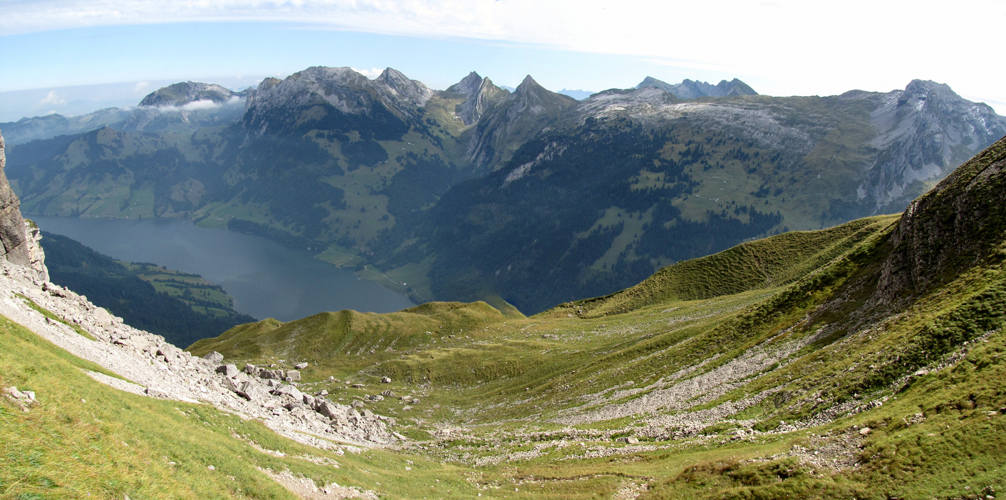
x=476, y=192
x=179, y=108
x=180, y=94
x=691, y=89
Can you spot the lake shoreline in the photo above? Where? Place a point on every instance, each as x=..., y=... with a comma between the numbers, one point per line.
x=265, y=278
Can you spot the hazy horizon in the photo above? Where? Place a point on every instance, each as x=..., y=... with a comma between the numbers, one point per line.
x=781, y=47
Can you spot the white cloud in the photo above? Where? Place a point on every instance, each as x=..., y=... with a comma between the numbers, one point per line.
x=141, y=86
x=198, y=105
x=369, y=73
x=203, y=104
x=794, y=46
x=53, y=99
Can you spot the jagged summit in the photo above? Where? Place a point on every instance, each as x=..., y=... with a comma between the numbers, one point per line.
x=399, y=84
x=341, y=89
x=468, y=85
x=691, y=89
x=532, y=96
x=517, y=118
x=528, y=85
x=481, y=94
x=180, y=94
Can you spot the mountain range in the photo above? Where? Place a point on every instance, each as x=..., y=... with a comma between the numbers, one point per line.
x=477, y=192
x=859, y=361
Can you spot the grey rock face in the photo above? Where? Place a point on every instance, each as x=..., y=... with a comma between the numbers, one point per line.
x=12, y=227
x=925, y=131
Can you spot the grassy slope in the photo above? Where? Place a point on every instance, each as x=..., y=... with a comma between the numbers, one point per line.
x=869, y=311
x=86, y=440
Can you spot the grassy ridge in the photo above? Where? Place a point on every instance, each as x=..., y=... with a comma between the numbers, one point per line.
x=766, y=263
x=346, y=341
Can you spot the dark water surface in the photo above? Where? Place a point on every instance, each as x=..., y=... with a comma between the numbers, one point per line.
x=265, y=278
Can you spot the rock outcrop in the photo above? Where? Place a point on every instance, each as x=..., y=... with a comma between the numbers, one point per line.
x=17, y=245
x=949, y=229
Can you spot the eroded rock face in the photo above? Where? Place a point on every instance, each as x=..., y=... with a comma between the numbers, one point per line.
x=949, y=229
x=12, y=228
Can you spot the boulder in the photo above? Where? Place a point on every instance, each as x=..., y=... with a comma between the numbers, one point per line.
x=385, y=380
x=300, y=366
x=228, y=370
x=214, y=357
x=244, y=389
x=330, y=410
x=271, y=374
x=292, y=376
x=290, y=391
x=101, y=316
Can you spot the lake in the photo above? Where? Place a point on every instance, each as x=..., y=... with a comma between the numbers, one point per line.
x=266, y=279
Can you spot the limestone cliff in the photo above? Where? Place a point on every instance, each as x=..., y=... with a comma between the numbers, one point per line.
x=20, y=242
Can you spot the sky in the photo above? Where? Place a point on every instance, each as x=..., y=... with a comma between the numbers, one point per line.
x=66, y=56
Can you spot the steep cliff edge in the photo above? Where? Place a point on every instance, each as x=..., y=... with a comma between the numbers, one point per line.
x=19, y=238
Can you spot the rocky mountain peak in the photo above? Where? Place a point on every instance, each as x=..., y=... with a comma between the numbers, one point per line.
x=180, y=94
x=921, y=131
x=343, y=90
x=481, y=96
x=468, y=85
x=528, y=85
x=413, y=91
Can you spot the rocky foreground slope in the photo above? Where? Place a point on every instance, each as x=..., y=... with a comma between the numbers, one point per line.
x=150, y=366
